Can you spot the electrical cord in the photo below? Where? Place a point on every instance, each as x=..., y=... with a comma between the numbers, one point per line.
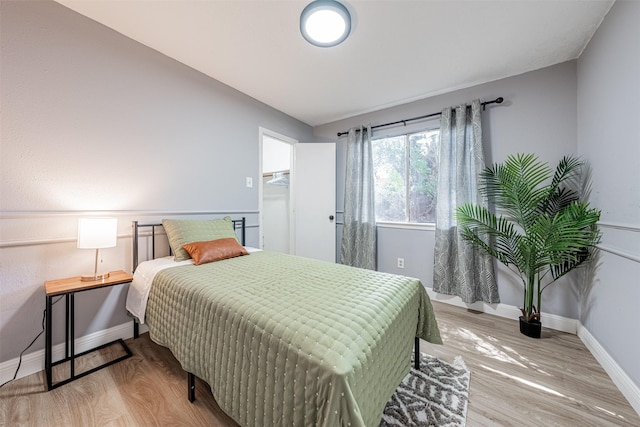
x=44, y=316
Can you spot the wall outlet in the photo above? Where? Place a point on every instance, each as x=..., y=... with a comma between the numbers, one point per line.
x=400, y=262
x=249, y=182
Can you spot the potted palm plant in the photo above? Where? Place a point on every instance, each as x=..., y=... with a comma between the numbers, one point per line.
x=544, y=229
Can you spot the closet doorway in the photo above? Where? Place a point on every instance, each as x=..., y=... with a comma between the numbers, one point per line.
x=276, y=209
x=297, y=196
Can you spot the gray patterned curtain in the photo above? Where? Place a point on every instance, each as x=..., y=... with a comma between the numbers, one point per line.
x=359, y=232
x=459, y=268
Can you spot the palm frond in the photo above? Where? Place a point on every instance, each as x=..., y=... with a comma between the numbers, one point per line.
x=568, y=169
x=559, y=192
x=514, y=186
x=478, y=225
x=577, y=237
x=559, y=200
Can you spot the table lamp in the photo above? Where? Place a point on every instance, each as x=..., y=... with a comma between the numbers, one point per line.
x=97, y=233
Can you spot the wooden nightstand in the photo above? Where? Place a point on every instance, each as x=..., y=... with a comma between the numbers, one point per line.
x=68, y=288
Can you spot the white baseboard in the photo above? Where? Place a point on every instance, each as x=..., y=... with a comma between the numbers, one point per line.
x=552, y=321
x=34, y=362
x=630, y=390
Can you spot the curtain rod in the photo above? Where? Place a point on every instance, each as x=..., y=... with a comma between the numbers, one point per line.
x=498, y=100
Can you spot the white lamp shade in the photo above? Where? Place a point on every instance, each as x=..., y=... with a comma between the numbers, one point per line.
x=96, y=233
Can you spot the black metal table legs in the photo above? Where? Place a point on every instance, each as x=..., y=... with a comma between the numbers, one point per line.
x=69, y=346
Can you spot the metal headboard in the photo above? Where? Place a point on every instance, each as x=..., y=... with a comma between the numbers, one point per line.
x=237, y=224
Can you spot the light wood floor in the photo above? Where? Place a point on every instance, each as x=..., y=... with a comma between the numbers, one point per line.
x=515, y=381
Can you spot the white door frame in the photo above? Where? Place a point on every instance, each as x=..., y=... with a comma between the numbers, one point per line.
x=262, y=132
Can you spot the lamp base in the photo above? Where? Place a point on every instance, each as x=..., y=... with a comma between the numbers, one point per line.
x=94, y=277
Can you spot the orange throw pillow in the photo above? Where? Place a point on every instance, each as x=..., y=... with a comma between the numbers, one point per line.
x=214, y=250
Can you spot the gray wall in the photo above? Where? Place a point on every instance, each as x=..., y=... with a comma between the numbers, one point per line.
x=609, y=137
x=538, y=115
x=95, y=122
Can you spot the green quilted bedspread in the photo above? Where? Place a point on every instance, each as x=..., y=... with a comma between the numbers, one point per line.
x=290, y=341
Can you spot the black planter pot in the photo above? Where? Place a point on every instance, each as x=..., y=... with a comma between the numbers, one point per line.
x=531, y=328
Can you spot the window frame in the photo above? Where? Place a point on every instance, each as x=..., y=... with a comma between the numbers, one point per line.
x=408, y=225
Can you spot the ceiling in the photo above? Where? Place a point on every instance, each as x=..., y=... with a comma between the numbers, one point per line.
x=398, y=51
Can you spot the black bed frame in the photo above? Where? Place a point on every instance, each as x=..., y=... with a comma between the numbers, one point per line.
x=237, y=224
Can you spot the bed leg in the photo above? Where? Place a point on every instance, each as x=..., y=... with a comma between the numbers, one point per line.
x=191, y=385
x=136, y=330
x=416, y=355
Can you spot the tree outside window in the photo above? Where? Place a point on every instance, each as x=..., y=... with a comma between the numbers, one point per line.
x=405, y=176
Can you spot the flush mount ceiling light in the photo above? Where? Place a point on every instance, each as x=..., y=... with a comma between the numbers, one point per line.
x=325, y=23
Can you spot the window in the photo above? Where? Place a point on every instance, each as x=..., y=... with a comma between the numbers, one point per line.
x=405, y=175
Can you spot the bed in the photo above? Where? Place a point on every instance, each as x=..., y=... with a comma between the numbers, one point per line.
x=280, y=339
